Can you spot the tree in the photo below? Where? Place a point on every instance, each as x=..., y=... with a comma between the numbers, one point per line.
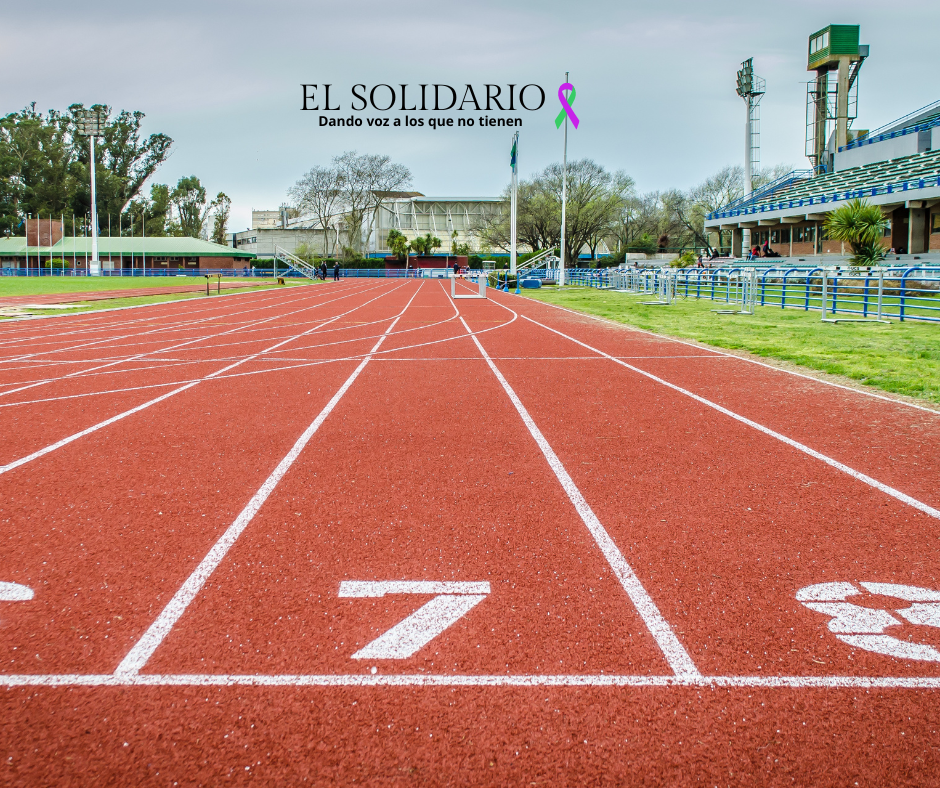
x=398, y=244
x=861, y=225
x=223, y=209
x=44, y=163
x=155, y=210
x=426, y=245
x=319, y=192
x=124, y=161
x=37, y=173
x=350, y=193
x=189, y=201
x=594, y=202
x=724, y=187
x=366, y=181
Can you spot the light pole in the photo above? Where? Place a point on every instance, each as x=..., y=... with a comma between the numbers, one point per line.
x=750, y=87
x=90, y=124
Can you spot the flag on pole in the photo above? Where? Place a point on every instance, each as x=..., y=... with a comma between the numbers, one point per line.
x=512, y=155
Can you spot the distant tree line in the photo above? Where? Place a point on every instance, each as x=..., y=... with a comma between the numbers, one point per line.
x=604, y=208
x=45, y=171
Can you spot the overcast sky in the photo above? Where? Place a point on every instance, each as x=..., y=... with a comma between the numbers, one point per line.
x=655, y=80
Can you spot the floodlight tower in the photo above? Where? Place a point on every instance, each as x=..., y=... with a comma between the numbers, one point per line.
x=751, y=89
x=90, y=124
x=834, y=48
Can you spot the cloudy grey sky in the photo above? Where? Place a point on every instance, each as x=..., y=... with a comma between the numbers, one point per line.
x=655, y=80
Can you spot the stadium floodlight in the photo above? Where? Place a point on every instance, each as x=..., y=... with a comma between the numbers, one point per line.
x=746, y=78
x=91, y=124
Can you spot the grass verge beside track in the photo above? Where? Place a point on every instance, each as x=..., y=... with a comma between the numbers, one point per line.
x=901, y=358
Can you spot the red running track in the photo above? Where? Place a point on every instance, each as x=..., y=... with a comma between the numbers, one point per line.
x=362, y=532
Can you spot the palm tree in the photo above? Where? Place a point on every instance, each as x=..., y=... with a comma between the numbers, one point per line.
x=862, y=226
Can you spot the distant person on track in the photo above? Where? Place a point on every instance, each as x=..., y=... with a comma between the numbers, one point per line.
x=323, y=271
x=456, y=269
x=336, y=271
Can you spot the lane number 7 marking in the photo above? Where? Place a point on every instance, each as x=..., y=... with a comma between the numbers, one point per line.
x=451, y=602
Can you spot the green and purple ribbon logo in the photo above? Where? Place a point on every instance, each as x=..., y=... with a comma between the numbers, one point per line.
x=566, y=103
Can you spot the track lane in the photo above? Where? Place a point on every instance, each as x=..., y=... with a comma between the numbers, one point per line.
x=361, y=503
x=145, y=497
x=886, y=439
x=724, y=546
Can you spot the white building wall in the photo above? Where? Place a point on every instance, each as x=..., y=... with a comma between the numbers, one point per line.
x=908, y=145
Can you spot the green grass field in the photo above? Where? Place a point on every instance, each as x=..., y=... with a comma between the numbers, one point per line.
x=901, y=358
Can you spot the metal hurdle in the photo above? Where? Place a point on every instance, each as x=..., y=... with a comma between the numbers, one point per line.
x=481, y=282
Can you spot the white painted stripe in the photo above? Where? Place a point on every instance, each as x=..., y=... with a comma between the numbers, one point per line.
x=723, y=354
x=153, y=637
x=421, y=627
x=14, y=592
x=903, y=497
x=107, y=422
x=675, y=653
x=379, y=588
x=483, y=680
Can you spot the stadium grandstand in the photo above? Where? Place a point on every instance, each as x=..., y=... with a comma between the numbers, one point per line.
x=896, y=167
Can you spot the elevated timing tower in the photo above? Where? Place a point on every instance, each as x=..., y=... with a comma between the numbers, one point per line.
x=834, y=48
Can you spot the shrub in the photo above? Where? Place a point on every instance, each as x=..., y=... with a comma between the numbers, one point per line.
x=862, y=226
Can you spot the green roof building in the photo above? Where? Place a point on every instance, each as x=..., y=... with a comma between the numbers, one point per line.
x=47, y=244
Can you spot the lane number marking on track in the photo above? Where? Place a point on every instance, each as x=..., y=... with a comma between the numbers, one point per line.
x=14, y=592
x=863, y=627
x=452, y=601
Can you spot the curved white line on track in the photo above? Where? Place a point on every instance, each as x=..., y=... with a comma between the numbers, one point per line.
x=129, y=359
x=107, y=422
x=255, y=340
x=289, y=367
x=871, y=482
x=144, y=648
x=166, y=329
x=142, y=323
x=90, y=322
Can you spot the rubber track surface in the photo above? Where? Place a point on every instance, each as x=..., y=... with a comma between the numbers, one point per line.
x=186, y=488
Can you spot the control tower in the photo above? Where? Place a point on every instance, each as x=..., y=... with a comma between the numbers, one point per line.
x=834, y=48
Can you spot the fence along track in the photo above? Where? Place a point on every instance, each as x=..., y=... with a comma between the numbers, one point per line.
x=876, y=293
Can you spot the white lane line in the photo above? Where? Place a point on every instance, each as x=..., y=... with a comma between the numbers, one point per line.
x=102, y=424
x=903, y=497
x=739, y=358
x=482, y=680
x=675, y=653
x=153, y=637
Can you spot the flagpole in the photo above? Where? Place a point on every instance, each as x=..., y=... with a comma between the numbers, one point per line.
x=513, y=205
x=564, y=200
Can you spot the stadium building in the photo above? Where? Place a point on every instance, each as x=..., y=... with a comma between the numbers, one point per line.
x=411, y=213
x=896, y=167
